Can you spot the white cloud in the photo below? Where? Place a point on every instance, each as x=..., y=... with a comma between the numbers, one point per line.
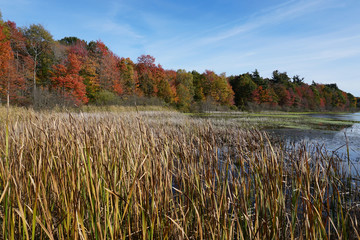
x=209, y=38
x=111, y=27
x=271, y=16
x=236, y=48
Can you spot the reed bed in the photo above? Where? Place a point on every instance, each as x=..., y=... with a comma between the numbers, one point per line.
x=162, y=175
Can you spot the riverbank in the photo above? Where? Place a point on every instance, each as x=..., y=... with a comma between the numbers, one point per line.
x=248, y=120
x=279, y=120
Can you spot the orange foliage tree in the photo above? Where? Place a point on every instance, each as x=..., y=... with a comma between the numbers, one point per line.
x=67, y=80
x=11, y=83
x=128, y=76
x=218, y=88
x=5, y=62
x=261, y=95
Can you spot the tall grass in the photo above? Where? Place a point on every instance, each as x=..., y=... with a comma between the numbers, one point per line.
x=162, y=175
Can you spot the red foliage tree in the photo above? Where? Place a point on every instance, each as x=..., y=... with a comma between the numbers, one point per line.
x=102, y=48
x=80, y=49
x=261, y=95
x=67, y=80
x=148, y=75
x=5, y=62
x=109, y=76
x=11, y=83
x=284, y=96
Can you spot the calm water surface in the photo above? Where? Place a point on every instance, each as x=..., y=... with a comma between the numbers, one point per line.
x=335, y=142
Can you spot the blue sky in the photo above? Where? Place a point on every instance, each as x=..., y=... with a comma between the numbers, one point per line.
x=316, y=39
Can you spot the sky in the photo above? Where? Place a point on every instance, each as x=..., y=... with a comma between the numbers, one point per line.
x=315, y=39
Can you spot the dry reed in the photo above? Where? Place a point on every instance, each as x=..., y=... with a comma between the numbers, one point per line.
x=162, y=175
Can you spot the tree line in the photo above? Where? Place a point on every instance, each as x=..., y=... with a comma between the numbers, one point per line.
x=289, y=93
x=35, y=69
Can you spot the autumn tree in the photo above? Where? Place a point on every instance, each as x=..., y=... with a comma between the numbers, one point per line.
x=102, y=71
x=5, y=63
x=218, y=88
x=222, y=91
x=67, y=80
x=39, y=46
x=109, y=74
x=171, y=76
x=261, y=95
x=91, y=78
x=184, y=89
x=284, y=96
x=20, y=64
x=166, y=91
x=128, y=76
x=146, y=68
x=82, y=72
x=209, y=78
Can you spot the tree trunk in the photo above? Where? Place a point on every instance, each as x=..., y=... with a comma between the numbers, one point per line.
x=8, y=94
x=34, y=76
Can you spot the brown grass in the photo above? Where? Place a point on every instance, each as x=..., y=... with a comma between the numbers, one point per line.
x=162, y=175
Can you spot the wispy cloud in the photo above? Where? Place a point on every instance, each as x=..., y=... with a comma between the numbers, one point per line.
x=317, y=39
x=241, y=46
x=187, y=43
x=240, y=28
x=112, y=27
x=271, y=16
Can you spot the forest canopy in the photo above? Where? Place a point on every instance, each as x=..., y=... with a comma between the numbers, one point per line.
x=37, y=70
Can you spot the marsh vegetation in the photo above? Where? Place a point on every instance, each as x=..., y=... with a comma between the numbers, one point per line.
x=165, y=175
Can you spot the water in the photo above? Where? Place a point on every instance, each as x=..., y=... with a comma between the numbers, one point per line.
x=349, y=116
x=344, y=143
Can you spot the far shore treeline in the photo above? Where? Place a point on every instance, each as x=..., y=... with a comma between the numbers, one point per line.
x=36, y=70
